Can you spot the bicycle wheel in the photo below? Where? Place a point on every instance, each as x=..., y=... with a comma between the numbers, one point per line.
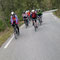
x=15, y=33
x=41, y=20
x=26, y=23
x=35, y=26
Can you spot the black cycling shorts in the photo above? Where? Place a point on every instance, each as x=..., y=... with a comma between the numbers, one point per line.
x=34, y=19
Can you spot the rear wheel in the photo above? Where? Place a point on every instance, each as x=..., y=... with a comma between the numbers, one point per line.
x=15, y=35
x=26, y=23
x=15, y=32
x=40, y=20
x=35, y=25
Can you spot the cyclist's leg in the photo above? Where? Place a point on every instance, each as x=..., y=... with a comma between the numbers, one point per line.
x=27, y=22
x=36, y=23
x=13, y=27
x=32, y=21
x=24, y=20
x=41, y=18
x=17, y=27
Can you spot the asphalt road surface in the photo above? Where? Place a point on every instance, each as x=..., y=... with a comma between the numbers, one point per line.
x=30, y=45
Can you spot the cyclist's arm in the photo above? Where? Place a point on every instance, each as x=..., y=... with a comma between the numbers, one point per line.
x=11, y=20
x=16, y=19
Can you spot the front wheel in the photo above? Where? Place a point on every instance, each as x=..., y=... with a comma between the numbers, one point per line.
x=15, y=34
x=40, y=21
x=26, y=23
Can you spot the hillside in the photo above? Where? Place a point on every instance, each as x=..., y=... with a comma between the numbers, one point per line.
x=6, y=6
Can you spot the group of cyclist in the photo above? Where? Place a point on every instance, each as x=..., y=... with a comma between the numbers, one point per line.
x=27, y=17
x=33, y=15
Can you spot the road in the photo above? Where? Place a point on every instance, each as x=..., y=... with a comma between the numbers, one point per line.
x=30, y=45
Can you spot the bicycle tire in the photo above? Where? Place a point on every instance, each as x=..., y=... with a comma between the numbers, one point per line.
x=35, y=26
x=15, y=32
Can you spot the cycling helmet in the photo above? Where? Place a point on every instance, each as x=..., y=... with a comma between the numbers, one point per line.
x=33, y=10
x=12, y=13
x=26, y=11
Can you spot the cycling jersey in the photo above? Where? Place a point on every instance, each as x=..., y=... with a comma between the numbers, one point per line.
x=28, y=13
x=14, y=19
x=25, y=15
x=34, y=15
x=39, y=13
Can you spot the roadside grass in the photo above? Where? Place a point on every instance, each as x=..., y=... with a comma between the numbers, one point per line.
x=57, y=13
x=7, y=33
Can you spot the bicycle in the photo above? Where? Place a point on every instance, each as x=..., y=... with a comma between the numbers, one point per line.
x=35, y=24
x=40, y=19
x=15, y=31
x=26, y=22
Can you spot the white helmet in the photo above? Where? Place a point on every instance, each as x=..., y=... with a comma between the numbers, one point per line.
x=12, y=13
x=26, y=11
x=33, y=10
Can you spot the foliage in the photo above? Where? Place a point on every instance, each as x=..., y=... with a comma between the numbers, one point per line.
x=18, y=6
x=2, y=26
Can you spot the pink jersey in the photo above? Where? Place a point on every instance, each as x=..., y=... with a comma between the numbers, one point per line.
x=24, y=15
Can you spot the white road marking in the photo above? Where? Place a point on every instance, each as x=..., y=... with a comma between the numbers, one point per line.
x=11, y=39
x=22, y=26
x=9, y=42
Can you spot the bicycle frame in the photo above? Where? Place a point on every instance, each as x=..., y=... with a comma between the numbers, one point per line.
x=15, y=31
x=35, y=24
x=40, y=19
x=26, y=22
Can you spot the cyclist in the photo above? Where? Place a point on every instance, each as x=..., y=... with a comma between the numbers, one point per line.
x=14, y=19
x=34, y=17
x=25, y=17
x=29, y=15
x=39, y=14
x=36, y=11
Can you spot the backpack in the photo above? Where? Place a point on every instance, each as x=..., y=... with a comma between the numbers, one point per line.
x=33, y=15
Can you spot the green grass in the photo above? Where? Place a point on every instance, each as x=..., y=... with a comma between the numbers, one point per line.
x=5, y=35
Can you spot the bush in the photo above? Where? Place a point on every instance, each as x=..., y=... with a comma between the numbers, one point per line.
x=8, y=22
x=19, y=13
x=2, y=26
